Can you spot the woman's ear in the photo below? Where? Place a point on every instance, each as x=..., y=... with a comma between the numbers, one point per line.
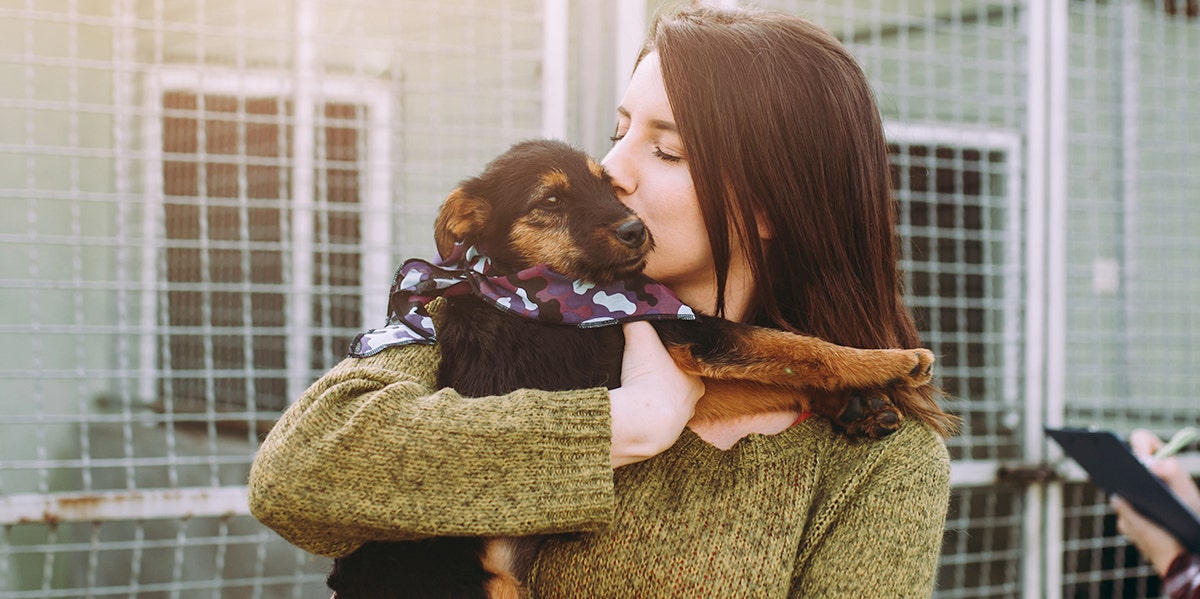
x=460, y=217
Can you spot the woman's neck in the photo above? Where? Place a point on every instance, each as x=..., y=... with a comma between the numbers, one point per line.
x=702, y=295
x=723, y=434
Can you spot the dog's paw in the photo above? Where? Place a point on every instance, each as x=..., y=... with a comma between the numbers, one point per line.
x=921, y=371
x=871, y=415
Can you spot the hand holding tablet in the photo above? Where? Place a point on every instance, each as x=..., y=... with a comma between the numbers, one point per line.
x=1114, y=468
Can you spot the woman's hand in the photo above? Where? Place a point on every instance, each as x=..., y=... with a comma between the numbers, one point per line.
x=1158, y=545
x=1144, y=444
x=655, y=400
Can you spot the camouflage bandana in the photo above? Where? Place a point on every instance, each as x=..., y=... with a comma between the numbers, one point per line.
x=538, y=293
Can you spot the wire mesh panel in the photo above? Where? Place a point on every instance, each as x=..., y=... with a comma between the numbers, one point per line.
x=1133, y=255
x=201, y=202
x=982, y=549
x=192, y=557
x=1131, y=333
x=957, y=216
x=1097, y=562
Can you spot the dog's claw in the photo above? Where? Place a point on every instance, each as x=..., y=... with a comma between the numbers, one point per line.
x=921, y=372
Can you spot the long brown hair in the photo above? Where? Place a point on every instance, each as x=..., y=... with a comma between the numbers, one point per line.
x=781, y=130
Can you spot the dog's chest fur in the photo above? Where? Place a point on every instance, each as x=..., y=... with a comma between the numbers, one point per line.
x=486, y=351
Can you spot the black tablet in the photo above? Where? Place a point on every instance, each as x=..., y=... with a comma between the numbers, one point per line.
x=1114, y=468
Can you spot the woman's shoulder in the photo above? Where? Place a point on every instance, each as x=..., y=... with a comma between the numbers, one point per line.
x=913, y=450
x=912, y=436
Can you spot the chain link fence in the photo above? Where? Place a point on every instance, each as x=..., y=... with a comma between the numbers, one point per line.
x=201, y=201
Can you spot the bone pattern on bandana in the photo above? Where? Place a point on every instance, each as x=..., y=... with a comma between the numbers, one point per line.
x=537, y=293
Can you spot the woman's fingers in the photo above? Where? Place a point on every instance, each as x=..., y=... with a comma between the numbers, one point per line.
x=655, y=400
x=1178, y=480
x=644, y=350
x=1156, y=544
x=1144, y=443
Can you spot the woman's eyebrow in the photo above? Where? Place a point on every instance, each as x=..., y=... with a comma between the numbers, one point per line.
x=657, y=124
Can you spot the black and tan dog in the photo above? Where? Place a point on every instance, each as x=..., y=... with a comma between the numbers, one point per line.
x=544, y=202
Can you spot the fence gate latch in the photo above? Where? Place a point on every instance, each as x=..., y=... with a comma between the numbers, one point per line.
x=1027, y=474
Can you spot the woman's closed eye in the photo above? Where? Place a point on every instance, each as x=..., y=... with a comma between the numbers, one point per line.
x=657, y=151
x=665, y=157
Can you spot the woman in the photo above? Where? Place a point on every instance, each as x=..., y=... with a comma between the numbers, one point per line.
x=1179, y=569
x=751, y=146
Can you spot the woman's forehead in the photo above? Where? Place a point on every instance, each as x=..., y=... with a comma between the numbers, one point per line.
x=646, y=96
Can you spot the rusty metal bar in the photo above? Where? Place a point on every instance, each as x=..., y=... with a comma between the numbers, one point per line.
x=147, y=504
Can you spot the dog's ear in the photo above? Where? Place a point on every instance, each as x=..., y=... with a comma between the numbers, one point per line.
x=461, y=216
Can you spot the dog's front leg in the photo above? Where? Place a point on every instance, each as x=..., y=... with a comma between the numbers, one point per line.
x=858, y=413
x=720, y=349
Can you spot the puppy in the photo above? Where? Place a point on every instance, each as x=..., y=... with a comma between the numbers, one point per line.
x=545, y=203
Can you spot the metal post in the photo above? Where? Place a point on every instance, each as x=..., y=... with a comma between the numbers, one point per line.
x=1056, y=274
x=1036, y=23
x=631, y=31
x=555, y=24
x=299, y=342
x=1128, y=79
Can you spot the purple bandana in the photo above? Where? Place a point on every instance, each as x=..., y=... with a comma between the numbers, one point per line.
x=537, y=293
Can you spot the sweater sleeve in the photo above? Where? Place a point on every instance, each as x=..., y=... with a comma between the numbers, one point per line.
x=371, y=452
x=879, y=533
x=1183, y=577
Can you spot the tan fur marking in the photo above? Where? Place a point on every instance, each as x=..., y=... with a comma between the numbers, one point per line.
x=802, y=362
x=553, y=181
x=498, y=559
x=540, y=233
x=781, y=371
x=460, y=216
x=595, y=168
x=685, y=360
x=724, y=399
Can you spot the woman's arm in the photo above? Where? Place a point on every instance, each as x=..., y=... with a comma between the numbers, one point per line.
x=372, y=452
x=1182, y=579
x=880, y=533
x=1159, y=547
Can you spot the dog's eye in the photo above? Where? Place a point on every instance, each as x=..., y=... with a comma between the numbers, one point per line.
x=550, y=203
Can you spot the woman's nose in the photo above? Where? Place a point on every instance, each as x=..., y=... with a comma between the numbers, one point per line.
x=615, y=162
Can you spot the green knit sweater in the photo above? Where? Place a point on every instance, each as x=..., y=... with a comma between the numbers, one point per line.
x=373, y=452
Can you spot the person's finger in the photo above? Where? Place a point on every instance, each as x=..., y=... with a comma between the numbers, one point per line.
x=655, y=400
x=1177, y=478
x=639, y=333
x=644, y=352
x=1126, y=515
x=1144, y=442
x=1156, y=544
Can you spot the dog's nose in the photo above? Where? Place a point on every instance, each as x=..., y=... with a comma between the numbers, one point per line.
x=632, y=233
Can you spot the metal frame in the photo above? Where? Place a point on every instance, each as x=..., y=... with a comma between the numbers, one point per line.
x=1056, y=121
x=1035, y=280
x=376, y=200
x=220, y=502
x=983, y=472
x=555, y=80
x=1033, y=531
